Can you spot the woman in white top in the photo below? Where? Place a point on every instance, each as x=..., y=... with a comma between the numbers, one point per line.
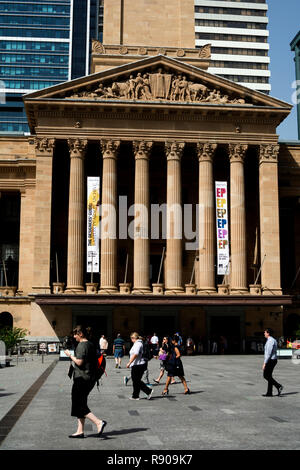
x=137, y=365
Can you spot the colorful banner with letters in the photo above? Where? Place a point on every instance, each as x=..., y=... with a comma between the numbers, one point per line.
x=222, y=228
x=93, y=206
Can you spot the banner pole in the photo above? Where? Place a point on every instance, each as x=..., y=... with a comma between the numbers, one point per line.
x=193, y=271
x=260, y=270
x=4, y=269
x=161, y=264
x=126, y=268
x=57, y=278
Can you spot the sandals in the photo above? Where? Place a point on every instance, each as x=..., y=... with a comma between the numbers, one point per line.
x=165, y=392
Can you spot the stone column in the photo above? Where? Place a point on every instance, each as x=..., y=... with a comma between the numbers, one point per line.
x=238, y=276
x=26, y=247
x=44, y=148
x=141, y=262
x=207, y=233
x=173, y=267
x=75, y=265
x=108, y=256
x=269, y=219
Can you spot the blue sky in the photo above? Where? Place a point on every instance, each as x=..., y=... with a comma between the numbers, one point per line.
x=284, y=24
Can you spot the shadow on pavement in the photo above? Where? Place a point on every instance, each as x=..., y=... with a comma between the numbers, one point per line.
x=108, y=434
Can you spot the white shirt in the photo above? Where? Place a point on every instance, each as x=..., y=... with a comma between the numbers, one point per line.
x=270, y=349
x=137, y=348
x=154, y=340
x=103, y=343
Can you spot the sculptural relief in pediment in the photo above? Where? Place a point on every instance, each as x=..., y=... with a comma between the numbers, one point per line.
x=157, y=85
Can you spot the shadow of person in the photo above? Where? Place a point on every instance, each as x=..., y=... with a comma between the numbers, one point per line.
x=120, y=432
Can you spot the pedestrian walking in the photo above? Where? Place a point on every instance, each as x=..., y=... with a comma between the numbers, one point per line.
x=162, y=356
x=270, y=361
x=190, y=346
x=84, y=379
x=103, y=343
x=154, y=344
x=138, y=367
x=174, y=367
x=118, y=350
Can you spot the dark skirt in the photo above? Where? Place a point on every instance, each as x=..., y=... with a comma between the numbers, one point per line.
x=175, y=370
x=80, y=392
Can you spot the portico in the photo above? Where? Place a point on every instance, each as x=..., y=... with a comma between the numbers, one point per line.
x=182, y=112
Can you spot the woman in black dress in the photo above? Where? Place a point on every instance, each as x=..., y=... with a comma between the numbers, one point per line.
x=84, y=364
x=174, y=367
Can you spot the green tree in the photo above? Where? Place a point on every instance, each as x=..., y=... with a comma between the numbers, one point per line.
x=12, y=336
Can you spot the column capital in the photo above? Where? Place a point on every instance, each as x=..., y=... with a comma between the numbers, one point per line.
x=110, y=148
x=206, y=151
x=77, y=147
x=237, y=152
x=44, y=145
x=268, y=153
x=174, y=150
x=141, y=149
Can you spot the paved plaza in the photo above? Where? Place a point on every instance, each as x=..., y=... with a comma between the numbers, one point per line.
x=226, y=410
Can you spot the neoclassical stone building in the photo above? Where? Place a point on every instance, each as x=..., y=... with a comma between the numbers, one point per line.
x=159, y=131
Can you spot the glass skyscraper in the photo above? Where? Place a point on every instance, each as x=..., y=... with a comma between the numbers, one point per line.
x=42, y=43
x=238, y=33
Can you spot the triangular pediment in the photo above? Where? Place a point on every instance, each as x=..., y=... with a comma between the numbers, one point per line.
x=155, y=80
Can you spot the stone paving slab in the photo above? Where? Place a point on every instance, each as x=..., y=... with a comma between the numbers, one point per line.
x=225, y=410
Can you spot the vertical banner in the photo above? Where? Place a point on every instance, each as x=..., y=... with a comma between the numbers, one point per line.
x=93, y=205
x=222, y=228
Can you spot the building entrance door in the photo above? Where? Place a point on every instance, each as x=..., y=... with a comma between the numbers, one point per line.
x=228, y=327
x=162, y=325
x=97, y=323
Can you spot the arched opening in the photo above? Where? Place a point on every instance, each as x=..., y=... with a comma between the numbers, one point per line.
x=6, y=319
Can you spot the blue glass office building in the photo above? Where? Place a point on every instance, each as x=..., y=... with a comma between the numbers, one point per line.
x=42, y=43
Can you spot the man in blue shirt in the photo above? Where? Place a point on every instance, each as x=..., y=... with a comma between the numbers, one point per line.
x=270, y=361
x=118, y=350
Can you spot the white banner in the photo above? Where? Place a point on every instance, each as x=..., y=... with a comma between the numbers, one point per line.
x=93, y=206
x=222, y=228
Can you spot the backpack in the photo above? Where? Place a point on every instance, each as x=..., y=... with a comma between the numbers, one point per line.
x=147, y=355
x=100, y=368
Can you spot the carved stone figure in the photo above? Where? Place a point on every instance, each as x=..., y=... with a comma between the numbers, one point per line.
x=197, y=91
x=159, y=85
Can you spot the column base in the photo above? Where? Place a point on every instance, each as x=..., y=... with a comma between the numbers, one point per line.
x=239, y=291
x=74, y=290
x=174, y=291
x=206, y=291
x=270, y=291
x=110, y=290
x=41, y=290
x=141, y=291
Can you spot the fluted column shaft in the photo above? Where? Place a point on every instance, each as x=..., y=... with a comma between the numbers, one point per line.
x=173, y=268
x=44, y=149
x=75, y=265
x=238, y=279
x=141, y=264
x=206, y=219
x=269, y=219
x=108, y=277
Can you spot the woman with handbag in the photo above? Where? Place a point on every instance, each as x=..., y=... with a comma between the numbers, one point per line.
x=163, y=356
x=84, y=379
x=174, y=367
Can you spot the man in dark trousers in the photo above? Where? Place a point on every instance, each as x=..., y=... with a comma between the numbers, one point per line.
x=270, y=362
